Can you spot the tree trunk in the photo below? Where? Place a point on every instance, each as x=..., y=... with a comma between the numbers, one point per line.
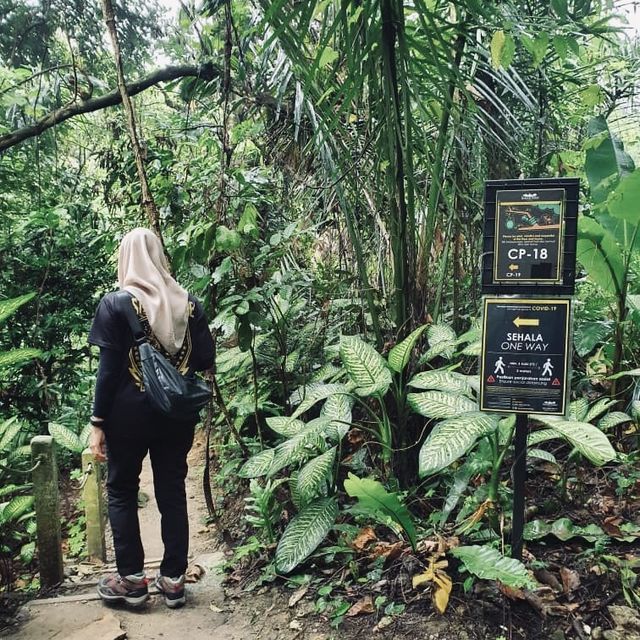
x=148, y=203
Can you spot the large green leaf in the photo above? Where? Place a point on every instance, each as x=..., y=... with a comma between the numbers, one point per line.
x=623, y=202
x=577, y=410
x=338, y=408
x=440, y=380
x=300, y=446
x=563, y=529
x=440, y=404
x=316, y=392
x=366, y=367
x=16, y=508
x=257, y=465
x=400, y=354
x=442, y=341
x=304, y=533
x=605, y=159
x=587, y=335
x=284, y=425
x=600, y=407
x=489, y=564
x=9, y=307
x=599, y=254
x=314, y=476
x=541, y=454
x=8, y=431
x=66, y=437
x=452, y=438
x=373, y=497
x=613, y=419
x=541, y=435
x=587, y=439
x=18, y=356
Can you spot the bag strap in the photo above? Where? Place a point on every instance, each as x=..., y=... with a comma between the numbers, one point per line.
x=139, y=336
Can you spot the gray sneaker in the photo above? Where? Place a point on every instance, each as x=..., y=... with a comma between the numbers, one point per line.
x=172, y=589
x=129, y=589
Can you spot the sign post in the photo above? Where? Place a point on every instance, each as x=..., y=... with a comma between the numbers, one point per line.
x=525, y=355
x=529, y=257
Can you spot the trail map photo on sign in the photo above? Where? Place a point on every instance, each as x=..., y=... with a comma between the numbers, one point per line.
x=525, y=355
x=528, y=239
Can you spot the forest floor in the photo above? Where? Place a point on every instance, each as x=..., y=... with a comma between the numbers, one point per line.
x=575, y=601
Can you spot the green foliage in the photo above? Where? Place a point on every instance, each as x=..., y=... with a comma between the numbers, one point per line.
x=487, y=563
x=609, y=238
x=452, y=438
x=400, y=354
x=262, y=509
x=67, y=438
x=304, y=533
x=589, y=440
x=440, y=404
x=374, y=499
x=313, y=477
x=366, y=368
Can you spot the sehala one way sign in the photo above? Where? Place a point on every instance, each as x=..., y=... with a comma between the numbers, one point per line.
x=525, y=355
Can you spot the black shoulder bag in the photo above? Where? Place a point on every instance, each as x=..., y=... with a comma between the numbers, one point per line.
x=167, y=390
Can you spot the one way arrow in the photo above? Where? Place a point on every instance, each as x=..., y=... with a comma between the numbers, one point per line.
x=526, y=322
x=513, y=267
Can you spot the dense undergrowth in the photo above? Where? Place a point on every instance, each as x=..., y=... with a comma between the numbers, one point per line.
x=317, y=175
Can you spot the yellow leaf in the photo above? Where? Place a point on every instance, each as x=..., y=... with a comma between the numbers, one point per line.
x=441, y=594
x=422, y=578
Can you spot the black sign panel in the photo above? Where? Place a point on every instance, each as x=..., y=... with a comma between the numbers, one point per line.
x=528, y=239
x=530, y=232
x=525, y=355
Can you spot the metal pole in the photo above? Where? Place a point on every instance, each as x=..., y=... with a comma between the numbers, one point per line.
x=47, y=507
x=519, y=481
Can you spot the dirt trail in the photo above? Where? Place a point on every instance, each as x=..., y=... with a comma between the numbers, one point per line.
x=206, y=615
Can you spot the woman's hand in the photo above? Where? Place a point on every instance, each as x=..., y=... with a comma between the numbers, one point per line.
x=97, y=444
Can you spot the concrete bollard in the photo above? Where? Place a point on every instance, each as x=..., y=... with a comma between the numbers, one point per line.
x=93, y=507
x=47, y=507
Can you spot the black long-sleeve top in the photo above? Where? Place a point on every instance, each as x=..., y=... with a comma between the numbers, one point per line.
x=119, y=396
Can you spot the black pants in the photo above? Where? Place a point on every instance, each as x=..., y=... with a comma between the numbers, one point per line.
x=168, y=452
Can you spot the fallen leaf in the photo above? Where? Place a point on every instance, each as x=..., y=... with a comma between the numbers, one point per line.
x=215, y=608
x=385, y=621
x=194, y=572
x=298, y=595
x=364, y=537
x=546, y=577
x=435, y=574
x=442, y=592
x=511, y=592
x=570, y=579
x=363, y=606
x=611, y=525
x=387, y=550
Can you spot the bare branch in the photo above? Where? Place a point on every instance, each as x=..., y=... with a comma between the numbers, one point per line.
x=205, y=72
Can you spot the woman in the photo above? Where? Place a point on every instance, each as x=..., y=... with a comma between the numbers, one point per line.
x=125, y=427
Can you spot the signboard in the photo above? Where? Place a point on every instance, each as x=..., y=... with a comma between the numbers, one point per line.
x=525, y=355
x=528, y=236
x=530, y=233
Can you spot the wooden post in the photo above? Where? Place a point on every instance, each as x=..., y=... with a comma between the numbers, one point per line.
x=93, y=507
x=47, y=506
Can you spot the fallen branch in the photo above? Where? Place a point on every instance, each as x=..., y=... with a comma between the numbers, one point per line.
x=205, y=72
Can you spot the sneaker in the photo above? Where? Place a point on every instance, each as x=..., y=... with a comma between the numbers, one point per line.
x=172, y=589
x=130, y=589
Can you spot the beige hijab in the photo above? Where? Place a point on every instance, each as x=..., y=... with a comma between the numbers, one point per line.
x=143, y=271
